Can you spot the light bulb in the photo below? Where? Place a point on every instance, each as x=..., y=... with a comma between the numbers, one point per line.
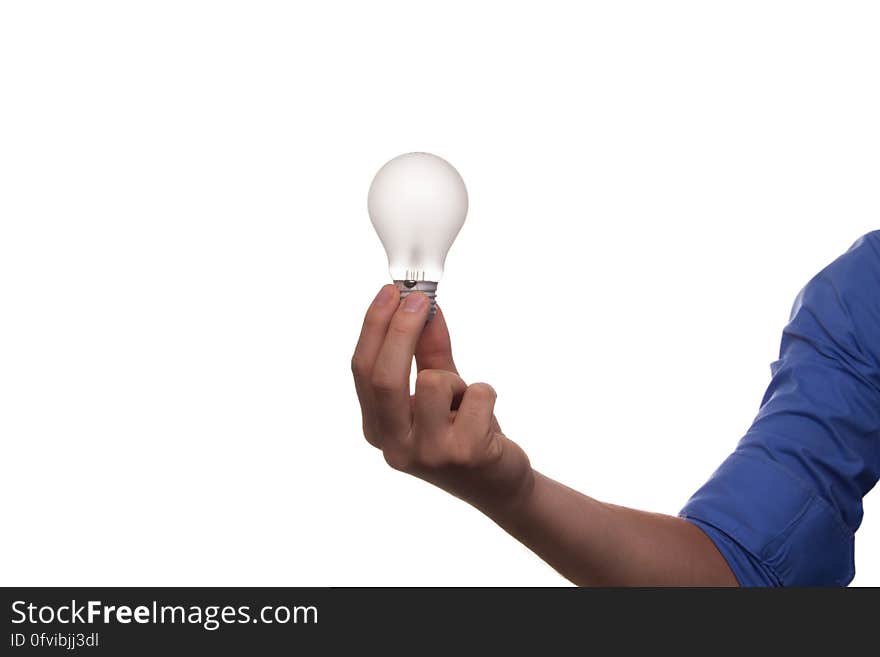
x=417, y=203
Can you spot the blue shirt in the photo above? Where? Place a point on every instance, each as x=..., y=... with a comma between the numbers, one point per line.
x=783, y=508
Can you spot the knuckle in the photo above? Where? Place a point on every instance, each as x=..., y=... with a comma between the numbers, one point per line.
x=433, y=353
x=374, y=319
x=381, y=385
x=381, y=382
x=358, y=366
x=398, y=459
x=399, y=329
x=373, y=437
x=482, y=392
x=429, y=379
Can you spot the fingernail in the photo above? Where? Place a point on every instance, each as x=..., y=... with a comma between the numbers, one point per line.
x=414, y=302
x=386, y=294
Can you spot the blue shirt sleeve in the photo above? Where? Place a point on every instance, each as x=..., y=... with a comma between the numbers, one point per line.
x=784, y=507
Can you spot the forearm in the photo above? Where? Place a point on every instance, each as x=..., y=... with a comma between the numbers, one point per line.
x=596, y=544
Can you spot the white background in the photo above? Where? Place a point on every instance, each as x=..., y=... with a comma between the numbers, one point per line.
x=185, y=258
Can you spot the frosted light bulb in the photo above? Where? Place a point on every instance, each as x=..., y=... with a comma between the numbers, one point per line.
x=417, y=203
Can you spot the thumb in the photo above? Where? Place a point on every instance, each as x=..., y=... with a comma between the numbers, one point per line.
x=434, y=349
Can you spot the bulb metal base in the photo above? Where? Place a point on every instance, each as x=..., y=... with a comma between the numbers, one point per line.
x=428, y=288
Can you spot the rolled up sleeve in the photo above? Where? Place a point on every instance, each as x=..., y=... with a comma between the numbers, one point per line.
x=784, y=507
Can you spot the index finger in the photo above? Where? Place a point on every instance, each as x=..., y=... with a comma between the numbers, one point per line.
x=390, y=378
x=370, y=342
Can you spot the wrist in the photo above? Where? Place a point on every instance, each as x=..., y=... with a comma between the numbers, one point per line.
x=513, y=507
x=508, y=486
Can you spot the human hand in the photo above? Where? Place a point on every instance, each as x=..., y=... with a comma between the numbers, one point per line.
x=446, y=433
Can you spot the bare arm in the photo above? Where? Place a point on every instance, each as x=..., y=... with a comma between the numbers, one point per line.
x=597, y=544
x=447, y=434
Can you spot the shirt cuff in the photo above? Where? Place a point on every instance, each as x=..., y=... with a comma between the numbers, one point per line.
x=771, y=527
